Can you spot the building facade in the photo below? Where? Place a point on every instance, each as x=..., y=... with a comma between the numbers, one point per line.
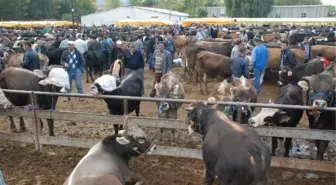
x=299, y=11
x=219, y=11
x=132, y=13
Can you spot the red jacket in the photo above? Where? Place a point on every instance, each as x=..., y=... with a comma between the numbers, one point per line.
x=325, y=62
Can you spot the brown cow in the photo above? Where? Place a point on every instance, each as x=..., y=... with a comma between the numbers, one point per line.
x=181, y=41
x=269, y=37
x=212, y=65
x=15, y=60
x=275, y=53
x=191, y=51
x=329, y=52
x=240, y=90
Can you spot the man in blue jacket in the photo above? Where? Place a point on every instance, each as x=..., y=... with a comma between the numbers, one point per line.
x=73, y=61
x=287, y=57
x=31, y=60
x=259, y=62
x=239, y=64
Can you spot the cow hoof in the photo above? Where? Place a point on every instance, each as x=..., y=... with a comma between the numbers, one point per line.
x=14, y=130
x=23, y=129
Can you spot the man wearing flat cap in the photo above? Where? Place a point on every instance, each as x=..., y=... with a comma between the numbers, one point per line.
x=31, y=60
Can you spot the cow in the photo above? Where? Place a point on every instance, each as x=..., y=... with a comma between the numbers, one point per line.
x=327, y=51
x=191, y=51
x=55, y=55
x=320, y=93
x=130, y=86
x=95, y=61
x=52, y=80
x=238, y=90
x=288, y=95
x=16, y=59
x=212, y=65
x=170, y=87
x=228, y=148
x=180, y=42
x=107, y=161
x=294, y=75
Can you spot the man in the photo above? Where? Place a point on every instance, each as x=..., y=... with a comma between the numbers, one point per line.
x=73, y=61
x=31, y=60
x=234, y=52
x=250, y=34
x=169, y=45
x=307, y=48
x=4, y=41
x=243, y=36
x=81, y=45
x=259, y=62
x=41, y=48
x=151, y=48
x=64, y=43
x=239, y=65
x=134, y=61
x=139, y=45
x=287, y=57
x=162, y=64
x=200, y=35
x=276, y=41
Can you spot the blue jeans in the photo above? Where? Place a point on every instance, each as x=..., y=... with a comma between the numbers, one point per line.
x=257, y=76
x=151, y=61
x=77, y=76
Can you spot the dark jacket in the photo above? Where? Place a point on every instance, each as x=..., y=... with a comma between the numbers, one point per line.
x=307, y=48
x=31, y=60
x=169, y=45
x=42, y=49
x=249, y=35
x=287, y=58
x=116, y=53
x=151, y=45
x=239, y=67
x=65, y=59
x=135, y=61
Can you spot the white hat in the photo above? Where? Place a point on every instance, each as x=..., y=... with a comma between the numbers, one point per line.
x=71, y=42
x=119, y=42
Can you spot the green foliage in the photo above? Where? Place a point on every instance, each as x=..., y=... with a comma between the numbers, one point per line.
x=248, y=8
x=110, y=4
x=134, y=2
x=332, y=10
x=149, y=3
x=297, y=2
x=202, y=12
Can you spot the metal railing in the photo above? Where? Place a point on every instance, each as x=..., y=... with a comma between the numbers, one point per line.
x=36, y=138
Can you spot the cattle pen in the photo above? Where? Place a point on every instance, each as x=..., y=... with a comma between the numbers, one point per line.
x=39, y=140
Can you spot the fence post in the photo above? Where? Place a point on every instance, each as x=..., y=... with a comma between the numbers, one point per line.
x=125, y=106
x=37, y=126
x=239, y=112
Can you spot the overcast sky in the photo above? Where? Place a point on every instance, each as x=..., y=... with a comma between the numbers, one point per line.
x=329, y=2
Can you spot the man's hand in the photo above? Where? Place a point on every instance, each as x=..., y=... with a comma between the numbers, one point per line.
x=66, y=65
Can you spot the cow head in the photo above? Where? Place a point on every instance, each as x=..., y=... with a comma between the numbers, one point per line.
x=321, y=89
x=242, y=90
x=134, y=139
x=285, y=76
x=193, y=119
x=269, y=115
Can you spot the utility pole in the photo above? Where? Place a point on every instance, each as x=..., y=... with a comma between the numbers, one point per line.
x=73, y=14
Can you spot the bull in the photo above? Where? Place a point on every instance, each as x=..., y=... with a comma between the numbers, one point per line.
x=107, y=161
x=212, y=65
x=54, y=79
x=239, y=90
x=95, y=61
x=229, y=148
x=170, y=87
x=288, y=95
x=320, y=93
x=130, y=86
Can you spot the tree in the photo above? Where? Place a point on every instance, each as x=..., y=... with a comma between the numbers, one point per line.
x=40, y=9
x=135, y=2
x=202, y=12
x=297, y=2
x=332, y=10
x=110, y=4
x=248, y=8
x=149, y=3
x=13, y=9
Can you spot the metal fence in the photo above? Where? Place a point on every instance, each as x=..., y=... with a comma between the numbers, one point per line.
x=303, y=164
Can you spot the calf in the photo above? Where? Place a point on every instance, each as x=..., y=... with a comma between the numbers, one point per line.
x=170, y=87
x=106, y=162
x=130, y=86
x=212, y=65
x=294, y=75
x=239, y=90
x=320, y=94
x=289, y=95
x=229, y=149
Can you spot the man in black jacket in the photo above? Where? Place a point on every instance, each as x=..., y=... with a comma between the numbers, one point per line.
x=31, y=60
x=151, y=46
x=287, y=57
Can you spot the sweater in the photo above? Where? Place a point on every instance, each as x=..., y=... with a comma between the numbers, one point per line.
x=135, y=61
x=259, y=57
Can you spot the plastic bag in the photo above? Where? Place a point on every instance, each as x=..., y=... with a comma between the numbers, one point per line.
x=107, y=82
x=57, y=77
x=4, y=102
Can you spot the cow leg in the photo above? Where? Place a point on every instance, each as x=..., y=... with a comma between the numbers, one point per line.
x=116, y=129
x=22, y=125
x=209, y=178
x=51, y=127
x=90, y=73
x=288, y=145
x=87, y=74
x=200, y=81
x=274, y=145
x=205, y=83
x=41, y=122
x=137, y=110
x=321, y=148
x=12, y=124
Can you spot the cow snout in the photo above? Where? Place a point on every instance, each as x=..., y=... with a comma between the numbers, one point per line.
x=152, y=149
x=244, y=110
x=320, y=103
x=165, y=106
x=252, y=122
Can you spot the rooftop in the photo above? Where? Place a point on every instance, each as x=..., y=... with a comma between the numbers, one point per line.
x=163, y=11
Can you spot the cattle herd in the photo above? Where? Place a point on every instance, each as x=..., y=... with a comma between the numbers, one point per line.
x=231, y=151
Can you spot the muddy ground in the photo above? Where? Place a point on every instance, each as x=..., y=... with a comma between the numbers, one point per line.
x=22, y=166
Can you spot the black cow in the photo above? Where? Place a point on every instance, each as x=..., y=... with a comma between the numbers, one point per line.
x=130, y=86
x=95, y=62
x=289, y=95
x=320, y=94
x=22, y=79
x=232, y=152
x=54, y=56
x=107, y=161
x=293, y=75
